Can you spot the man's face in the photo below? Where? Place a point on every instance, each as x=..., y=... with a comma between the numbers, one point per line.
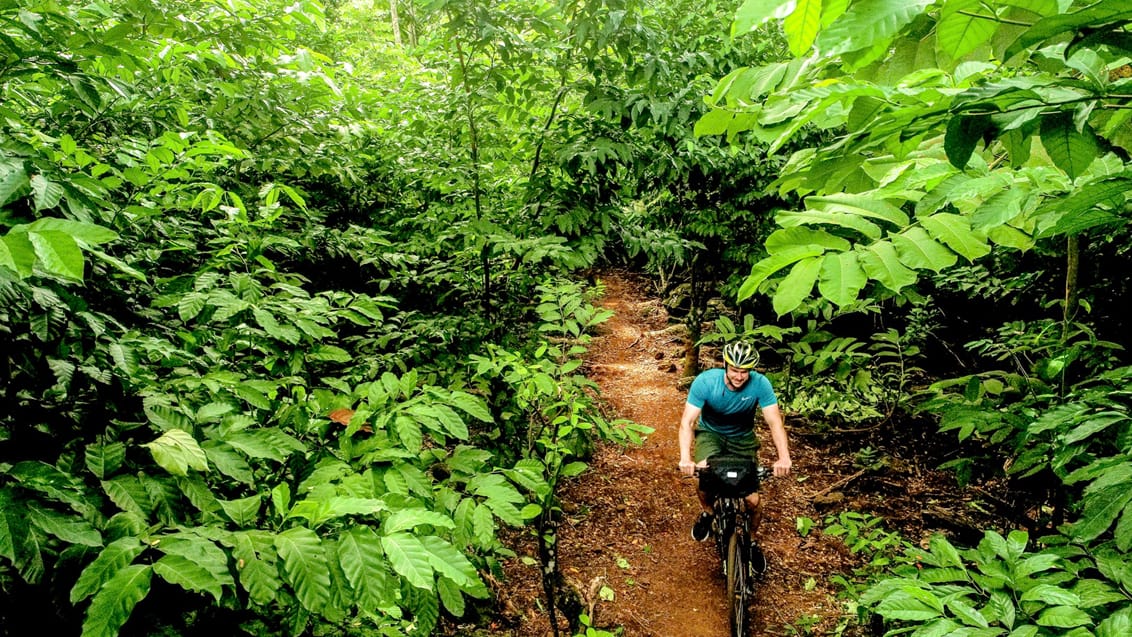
x=736, y=377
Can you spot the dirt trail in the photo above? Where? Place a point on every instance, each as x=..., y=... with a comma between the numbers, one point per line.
x=628, y=520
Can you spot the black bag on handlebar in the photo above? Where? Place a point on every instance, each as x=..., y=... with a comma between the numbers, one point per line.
x=730, y=476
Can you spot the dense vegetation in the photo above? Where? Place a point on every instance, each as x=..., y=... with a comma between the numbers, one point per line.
x=295, y=294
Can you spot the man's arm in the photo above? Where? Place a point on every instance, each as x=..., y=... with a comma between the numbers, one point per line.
x=687, y=434
x=773, y=416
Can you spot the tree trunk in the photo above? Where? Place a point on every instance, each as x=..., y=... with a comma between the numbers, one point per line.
x=396, y=23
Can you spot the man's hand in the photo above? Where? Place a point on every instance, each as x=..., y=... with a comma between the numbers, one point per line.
x=782, y=467
x=688, y=468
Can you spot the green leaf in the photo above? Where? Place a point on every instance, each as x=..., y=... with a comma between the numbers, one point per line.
x=860, y=205
x=256, y=565
x=842, y=219
x=963, y=134
x=800, y=236
x=58, y=254
x=88, y=233
x=955, y=232
x=1054, y=26
x=409, y=559
x=403, y=519
x=179, y=570
x=963, y=26
x=243, y=511
x=115, y=601
x=13, y=179
x=1063, y=617
x=305, y=566
x=841, y=278
x=474, y=406
x=881, y=263
x=867, y=24
x=177, y=452
x=966, y=613
x=104, y=459
x=797, y=285
x=18, y=253
x=448, y=561
x=916, y=249
x=999, y=209
x=1100, y=511
x=68, y=528
x=768, y=266
x=754, y=13
x=802, y=25
x=109, y=562
x=359, y=554
x=450, y=596
x=1071, y=150
x=903, y=605
x=45, y=193
x=944, y=551
x=408, y=432
x=1118, y=624
x=1051, y=596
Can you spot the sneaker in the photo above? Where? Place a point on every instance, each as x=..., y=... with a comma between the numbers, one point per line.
x=702, y=528
x=757, y=560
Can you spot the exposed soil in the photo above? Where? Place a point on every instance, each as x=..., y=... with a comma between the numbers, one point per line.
x=628, y=520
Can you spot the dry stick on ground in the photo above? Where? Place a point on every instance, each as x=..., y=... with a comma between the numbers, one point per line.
x=840, y=483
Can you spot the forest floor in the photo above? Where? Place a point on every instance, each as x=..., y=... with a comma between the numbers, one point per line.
x=627, y=521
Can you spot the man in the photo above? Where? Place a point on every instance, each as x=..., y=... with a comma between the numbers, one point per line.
x=720, y=417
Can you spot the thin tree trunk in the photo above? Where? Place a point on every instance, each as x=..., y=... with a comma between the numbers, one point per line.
x=1072, y=267
x=474, y=151
x=396, y=23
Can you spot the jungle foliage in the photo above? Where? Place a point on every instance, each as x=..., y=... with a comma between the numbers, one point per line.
x=293, y=315
x=971, y=188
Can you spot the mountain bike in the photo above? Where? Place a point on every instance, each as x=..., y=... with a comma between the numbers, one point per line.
x=729, y=479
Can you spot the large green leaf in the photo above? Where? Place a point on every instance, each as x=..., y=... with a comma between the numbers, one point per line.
x=772, y=264
x=69, y=528
x=754, y=13
x=867, y=24
x=103, y=459
x=1117, y=624
x=360, y=556
x=1063, y=617
x=177, y=451
x=403, y=519
x=256, y=565
x=183, y=572
x=1100, y=511
x=963, y=25
x=409, y=558
x=797, y=285
x=1057, y=26
x=88, y=233
x=474, y=406
x=454, y=565
x=842, y=219
x=963, y=134
x=58, y=253
x=200, y=551
x=18, y=253
x=305, y=566
x=112, y=559
x=919, y=251
x=955, y=232
x=841, y=278
x=1070, y=149
x=999, y=209
x=802, y=25
x=862, y=205
x=881, y=263
x=115, y=601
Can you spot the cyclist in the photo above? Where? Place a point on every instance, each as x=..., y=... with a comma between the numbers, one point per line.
x=719, y=416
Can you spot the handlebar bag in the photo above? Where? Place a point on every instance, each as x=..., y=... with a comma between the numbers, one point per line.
x=730, y=476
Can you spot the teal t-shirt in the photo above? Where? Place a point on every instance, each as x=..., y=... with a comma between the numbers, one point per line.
x=728, y=412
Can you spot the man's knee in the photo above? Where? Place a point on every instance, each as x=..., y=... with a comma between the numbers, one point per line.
x=753, y=500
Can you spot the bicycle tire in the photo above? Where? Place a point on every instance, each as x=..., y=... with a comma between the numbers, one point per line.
x=737, y=586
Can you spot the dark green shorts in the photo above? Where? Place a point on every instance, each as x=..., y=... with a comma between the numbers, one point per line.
x=709, y=443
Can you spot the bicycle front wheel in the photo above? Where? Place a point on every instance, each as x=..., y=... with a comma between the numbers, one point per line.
x=737, y=585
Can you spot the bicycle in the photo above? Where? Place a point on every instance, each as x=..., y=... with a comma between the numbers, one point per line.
x=730, y=479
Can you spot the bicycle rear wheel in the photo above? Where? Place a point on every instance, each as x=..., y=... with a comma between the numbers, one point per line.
x=737, y=585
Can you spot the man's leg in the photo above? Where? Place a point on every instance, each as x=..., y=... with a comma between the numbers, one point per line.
x=707, y=444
